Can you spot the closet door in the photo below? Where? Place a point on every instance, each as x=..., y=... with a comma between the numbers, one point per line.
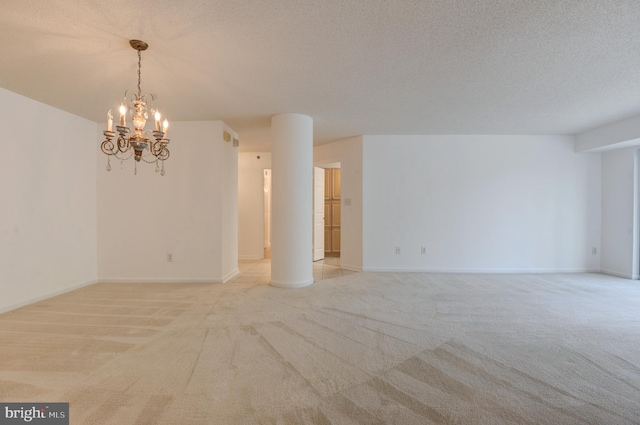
x=332, y=205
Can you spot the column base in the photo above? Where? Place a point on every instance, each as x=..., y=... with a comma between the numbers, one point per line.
x=299, y=284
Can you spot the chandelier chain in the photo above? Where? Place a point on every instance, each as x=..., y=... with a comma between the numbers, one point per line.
x=139, y=66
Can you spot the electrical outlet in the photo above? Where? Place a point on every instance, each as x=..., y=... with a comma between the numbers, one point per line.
x=594, y=250
x=423, y=250
x=169, y=258
x=397, y=250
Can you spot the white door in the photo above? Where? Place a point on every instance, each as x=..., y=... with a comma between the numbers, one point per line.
x=318, y=213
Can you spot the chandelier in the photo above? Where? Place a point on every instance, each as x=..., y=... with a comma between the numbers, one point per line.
x=148, y=146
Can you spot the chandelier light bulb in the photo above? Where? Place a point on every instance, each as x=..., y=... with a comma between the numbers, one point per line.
x=123, y=114
x=157, y=116
x=109, y=121
x=165, y=127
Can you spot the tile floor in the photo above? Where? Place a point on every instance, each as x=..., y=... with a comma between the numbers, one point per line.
x=259, y=271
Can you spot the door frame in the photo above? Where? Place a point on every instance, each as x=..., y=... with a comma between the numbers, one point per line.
x=337, y=163
x=318, y=213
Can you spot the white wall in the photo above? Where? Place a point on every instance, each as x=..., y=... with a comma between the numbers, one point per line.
x=186, y=212
x=618, y=143
x=349, y=153
x=480, y=203
x=48, y=207
x=251, y=203
x=229, y=207
x=619, y=206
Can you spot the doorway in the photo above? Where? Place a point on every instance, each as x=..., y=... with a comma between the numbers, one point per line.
x=267, y=213
x=332, y=210
x=332, y=192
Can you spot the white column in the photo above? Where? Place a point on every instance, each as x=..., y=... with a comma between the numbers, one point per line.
x=292, y=200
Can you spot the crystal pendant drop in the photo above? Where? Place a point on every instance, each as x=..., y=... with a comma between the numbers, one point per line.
x=135, y=168
x=108, y=164
x=157, y=167
x=162, y=172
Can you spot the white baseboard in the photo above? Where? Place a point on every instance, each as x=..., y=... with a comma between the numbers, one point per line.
x=159, y=280
x=351, y=268
x=42, y=297
x=478, y=271
x=230, y=275
x=618, y=274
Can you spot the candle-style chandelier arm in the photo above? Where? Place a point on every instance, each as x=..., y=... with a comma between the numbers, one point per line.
x=118, y=149
x=123, y=142
x=107, y=146
x=160, y=150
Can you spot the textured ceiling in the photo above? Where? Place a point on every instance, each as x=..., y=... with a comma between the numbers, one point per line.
x=355, y=66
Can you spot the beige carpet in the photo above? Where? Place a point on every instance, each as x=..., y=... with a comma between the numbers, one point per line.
x=363, y=348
